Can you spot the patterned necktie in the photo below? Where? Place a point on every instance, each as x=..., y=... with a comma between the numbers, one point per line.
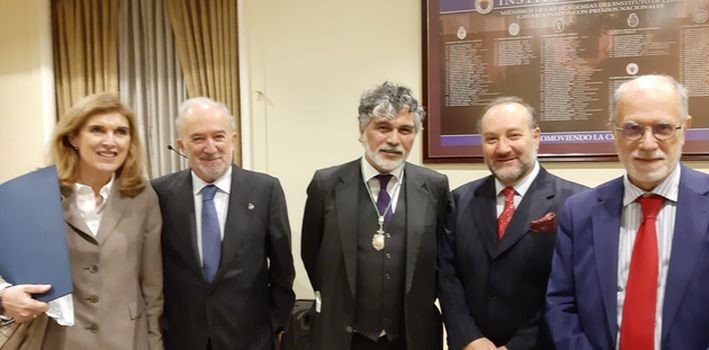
x=507, y=211
x=211, y=238
x=383, y=198
x=637, y=330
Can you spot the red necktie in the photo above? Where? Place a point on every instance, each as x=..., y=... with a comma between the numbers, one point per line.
x=637, y=330
x=507, y=211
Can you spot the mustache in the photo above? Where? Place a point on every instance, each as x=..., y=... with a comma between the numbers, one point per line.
x=390, y=149
x=208, y=158
x=648, y=155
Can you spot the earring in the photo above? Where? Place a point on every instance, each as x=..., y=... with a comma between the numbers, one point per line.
x=75, y=147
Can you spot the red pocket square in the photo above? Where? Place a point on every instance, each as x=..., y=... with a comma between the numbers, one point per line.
x=546, y=223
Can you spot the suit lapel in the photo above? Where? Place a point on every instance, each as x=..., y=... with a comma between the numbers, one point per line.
x=112, y=213
x=482, y=209
x=237, y=218
x=691, y=226
x=346, y=203
x=418, y=199
x=535, y=203
x=606, y=228
x=181, y=210
x=73, y=218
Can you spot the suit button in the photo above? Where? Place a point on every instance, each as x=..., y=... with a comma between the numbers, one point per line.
x=388, y=256
x=93, y=328
x=349, y=329
x=93, y=299
x=493, y=298
x=388, y=276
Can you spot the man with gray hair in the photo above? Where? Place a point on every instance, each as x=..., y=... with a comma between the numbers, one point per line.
x=496, y=258
x=631, y=264
x=227, y=262
x=370, y=233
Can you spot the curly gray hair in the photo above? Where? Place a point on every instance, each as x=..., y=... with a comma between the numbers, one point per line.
x=388, y=100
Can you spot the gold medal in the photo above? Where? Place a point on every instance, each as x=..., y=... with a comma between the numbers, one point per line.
x=378, y=241
x=378, y=237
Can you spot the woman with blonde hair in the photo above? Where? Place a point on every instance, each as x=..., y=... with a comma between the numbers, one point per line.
x=113, y=227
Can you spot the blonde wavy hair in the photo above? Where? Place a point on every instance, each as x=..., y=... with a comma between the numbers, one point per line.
x=129, y=176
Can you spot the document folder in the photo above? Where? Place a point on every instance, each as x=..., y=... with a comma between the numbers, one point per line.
x=33, y=248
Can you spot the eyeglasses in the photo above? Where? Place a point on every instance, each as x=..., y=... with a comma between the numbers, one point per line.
x=633, y=132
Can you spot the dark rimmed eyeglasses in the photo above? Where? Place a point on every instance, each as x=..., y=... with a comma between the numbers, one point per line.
x=633, y=131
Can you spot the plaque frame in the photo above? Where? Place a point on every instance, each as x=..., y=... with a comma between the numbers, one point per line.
x=440, y=147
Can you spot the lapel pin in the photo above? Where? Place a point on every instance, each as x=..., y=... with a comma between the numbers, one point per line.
x=251, y=206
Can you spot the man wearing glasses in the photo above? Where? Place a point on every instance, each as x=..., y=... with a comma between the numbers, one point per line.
x=631, y=265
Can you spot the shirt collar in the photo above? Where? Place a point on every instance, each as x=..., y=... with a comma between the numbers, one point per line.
x=523, y=184
x=668, y=188
x=223, y=183
x=368, y=171
x=82, y=190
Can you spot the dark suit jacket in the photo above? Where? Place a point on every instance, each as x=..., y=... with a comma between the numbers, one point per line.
x=251, y=295
x=329, y=252
x=581, y=299
x=496, y=289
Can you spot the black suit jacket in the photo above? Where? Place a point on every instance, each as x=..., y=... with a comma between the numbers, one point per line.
x=496, y=289
x=329, y=252
x=251, y=295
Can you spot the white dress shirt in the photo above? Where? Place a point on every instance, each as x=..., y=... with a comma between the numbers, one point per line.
x=521, y=188
x=631, y=219
x=90, y=212
x=393, y=187
x=62, y=309
x=369, y=174
x=221, y=203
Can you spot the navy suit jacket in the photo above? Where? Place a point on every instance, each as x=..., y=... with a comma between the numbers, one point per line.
x=251, y=296
x=495, y=289
x=581, y=297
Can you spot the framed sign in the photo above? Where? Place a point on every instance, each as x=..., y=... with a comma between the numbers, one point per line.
x=565, y=58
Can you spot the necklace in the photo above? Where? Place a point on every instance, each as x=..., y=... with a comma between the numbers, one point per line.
x=378, y=239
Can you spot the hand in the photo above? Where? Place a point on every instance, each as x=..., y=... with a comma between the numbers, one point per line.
x=18, y=303
x=480, y=344
x=502, y=348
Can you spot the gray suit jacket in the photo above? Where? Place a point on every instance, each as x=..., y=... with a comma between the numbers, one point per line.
x=329, y=252
x=117, y=278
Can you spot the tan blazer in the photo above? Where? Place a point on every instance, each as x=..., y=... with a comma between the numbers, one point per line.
x=117, y=278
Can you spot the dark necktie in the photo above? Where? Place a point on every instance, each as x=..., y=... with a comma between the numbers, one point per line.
x=211, y=238
x=507, y=211
x=383, y=198
x=637, y=330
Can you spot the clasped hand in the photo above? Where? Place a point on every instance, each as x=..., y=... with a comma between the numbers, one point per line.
x=18, y=303
x=483, y=344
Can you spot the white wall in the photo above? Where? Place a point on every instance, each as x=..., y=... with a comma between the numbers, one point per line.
x=311, y=60
x=26, y=85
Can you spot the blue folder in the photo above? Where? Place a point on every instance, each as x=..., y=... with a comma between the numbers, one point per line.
x=33, y=248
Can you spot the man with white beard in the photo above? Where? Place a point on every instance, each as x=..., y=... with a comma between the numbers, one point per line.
x=631, y=264
x=370, y=233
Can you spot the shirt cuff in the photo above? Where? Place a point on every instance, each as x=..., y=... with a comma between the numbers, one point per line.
x=3, y=286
